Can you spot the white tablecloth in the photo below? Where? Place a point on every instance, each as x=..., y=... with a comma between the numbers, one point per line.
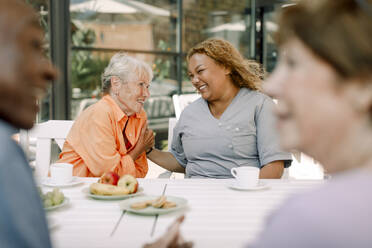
x=216, y=215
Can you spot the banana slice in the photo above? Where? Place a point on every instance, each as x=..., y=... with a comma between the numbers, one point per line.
x=141, y=205
x=107, y=189
x=169, y=204
x=159, y=202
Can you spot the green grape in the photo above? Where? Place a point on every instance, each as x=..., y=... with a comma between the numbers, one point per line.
x=48, y=203
x=49, y=195
x=55, y=191
x=57, y=199
x=62, y=196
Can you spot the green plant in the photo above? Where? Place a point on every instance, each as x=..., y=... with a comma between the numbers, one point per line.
x=86, y=66
x=162, y=66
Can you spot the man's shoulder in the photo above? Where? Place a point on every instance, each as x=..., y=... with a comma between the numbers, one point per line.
x=7, y=144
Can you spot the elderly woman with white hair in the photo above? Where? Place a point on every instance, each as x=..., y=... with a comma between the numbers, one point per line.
x=112, y=134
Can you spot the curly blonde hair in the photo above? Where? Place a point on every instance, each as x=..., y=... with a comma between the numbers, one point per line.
x=244, y=73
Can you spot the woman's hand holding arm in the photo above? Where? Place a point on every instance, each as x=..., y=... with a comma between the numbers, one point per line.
x=165, y=160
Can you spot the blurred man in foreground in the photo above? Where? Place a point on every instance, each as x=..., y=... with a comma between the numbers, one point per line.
x=24, y=76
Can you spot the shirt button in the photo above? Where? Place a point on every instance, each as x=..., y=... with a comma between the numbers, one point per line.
x=237, y=129
x=219, y=124
x=230, y=146
x=228, y=127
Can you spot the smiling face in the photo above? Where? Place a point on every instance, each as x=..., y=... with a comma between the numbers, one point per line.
x=26, y=74
x=132, y=95
x=314, y=112
x=209, y=78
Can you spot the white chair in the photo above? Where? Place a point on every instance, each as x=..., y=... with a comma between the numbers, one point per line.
x=44, y=133
x=171, y=125
x=181, y=101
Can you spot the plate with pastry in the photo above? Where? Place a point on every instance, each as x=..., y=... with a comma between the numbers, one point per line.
x=153, y=205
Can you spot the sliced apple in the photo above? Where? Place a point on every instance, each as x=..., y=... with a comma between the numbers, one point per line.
x=129, y=182
x=109, y=178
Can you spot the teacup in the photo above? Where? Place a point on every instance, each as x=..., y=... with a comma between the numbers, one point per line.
x=61, y=173
x=246, y=176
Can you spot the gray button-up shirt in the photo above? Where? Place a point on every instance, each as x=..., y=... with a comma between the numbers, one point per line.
x=245, y=135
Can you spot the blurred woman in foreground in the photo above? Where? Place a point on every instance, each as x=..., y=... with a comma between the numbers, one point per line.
x=323, y=84
x=112, y=134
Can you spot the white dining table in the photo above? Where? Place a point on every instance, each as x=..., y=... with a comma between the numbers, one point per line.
x=216, y=216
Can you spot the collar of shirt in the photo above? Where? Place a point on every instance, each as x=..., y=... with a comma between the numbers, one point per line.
x=7, y=128
x=119, y=114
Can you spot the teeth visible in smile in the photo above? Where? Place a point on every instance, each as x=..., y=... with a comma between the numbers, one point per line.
x=202, y=87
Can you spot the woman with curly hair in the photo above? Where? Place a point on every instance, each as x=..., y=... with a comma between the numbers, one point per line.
x=231, y=125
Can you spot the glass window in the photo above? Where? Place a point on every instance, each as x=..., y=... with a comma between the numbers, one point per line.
x=143, y=29
x=229, y=20
x=42, y=7
x=270, y=51
x=131, y=25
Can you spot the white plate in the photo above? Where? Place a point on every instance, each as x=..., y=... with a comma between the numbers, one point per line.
x=48, y=182
x=260, y=186
x=64, y=203
x=112, y=197
x=125, y=205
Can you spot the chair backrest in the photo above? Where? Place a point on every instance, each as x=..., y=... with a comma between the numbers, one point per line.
x=181, y=101
x=171, y=125
x=44, y=133
x=85, y=103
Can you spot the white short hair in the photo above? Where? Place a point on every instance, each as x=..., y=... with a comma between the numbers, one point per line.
x=125, y=67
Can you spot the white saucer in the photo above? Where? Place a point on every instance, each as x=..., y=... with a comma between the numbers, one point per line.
x=260, y=186
x=49, y=182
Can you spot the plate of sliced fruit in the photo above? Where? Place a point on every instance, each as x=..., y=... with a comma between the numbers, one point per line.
x=112, y=187
x=153, y=205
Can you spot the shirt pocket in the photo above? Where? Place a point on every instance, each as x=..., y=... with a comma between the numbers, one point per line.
x=244, y=143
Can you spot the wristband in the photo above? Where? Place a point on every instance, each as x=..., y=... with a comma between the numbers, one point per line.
x=149, y=151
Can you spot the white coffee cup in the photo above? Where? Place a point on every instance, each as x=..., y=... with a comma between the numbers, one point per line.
x=246, y=176
x=61, y=173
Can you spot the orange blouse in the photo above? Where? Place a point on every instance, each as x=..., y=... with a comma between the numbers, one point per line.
x=95, y=143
